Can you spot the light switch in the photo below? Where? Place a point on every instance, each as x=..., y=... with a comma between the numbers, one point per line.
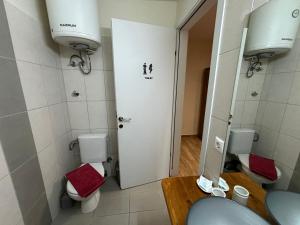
x=219, y=144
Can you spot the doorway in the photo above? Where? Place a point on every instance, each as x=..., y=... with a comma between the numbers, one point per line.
x=199, y=50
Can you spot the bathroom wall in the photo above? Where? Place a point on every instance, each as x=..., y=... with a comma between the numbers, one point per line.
x=274, y=113
x=246, y=105
x=145, y=11
x=39, y=67
x=278, y=116
x=22, y=190
x=198, y=58
x=95, y=109
x=235, y=19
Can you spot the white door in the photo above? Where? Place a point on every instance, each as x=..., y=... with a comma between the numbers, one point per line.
x=144, y=59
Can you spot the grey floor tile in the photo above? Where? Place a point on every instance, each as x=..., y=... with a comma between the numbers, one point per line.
x=154, y=186
x=112, y=189
x=146, y=204
x=157, y=217
x=147, y=197
x=73, y=217
x=122, y=219
x=112, y=204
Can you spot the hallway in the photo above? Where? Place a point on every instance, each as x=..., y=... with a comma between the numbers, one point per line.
x=190, y=156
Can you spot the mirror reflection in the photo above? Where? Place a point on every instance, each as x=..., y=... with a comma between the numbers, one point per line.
x=265, y=132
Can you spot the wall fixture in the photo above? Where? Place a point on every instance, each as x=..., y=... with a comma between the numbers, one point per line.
x=76, y=24
x=83, y=61
x=272, y=31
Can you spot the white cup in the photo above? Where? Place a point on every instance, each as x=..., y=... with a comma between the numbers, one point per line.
x=218, y=192
x=240, y=195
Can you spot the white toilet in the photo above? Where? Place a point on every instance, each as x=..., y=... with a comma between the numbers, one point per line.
x=240, y=144
x=93, y=150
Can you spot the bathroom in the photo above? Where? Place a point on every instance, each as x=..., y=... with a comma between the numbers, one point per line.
x=49, y=106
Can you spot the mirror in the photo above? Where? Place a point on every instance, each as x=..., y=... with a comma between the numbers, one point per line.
x=267, y=112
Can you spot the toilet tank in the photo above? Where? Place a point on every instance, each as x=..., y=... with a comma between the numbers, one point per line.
x=93, y=148
x=240, y=141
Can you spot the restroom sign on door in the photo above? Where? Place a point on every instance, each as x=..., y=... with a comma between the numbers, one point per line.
x=147, y=71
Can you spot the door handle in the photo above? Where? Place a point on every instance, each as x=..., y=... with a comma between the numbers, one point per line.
x=124, y=120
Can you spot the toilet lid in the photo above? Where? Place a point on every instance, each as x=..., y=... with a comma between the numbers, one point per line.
x=244, y=158
x=97, y=166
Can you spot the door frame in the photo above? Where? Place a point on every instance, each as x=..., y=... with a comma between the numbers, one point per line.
x=196, y=13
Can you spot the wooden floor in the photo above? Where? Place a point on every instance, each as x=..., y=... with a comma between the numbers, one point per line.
x=190, y=156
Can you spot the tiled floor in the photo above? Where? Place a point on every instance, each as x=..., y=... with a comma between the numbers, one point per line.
x=143, y=205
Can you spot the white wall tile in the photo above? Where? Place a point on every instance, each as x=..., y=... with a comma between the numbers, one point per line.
x=266, y=144
x=287, y=151
x=33, y=84
x=76, y=133
x=225, y=83
x=62, y=85
x=213, y=157
x=57, y=116
x=52, y=176
x=264, y=67
x=97, y=114
x=291, y=121
x=10, y=213
x=112, y=114
x=273, y=115
x=242, y=87
x=258, y=3
x=285, y=62
x=74, y=81
x=65, y=156
x=279, y=87
x=95, y=86
x=266, y=86
x=49, y=50
x=41, y=128
x=48, y=162
x=53, y=197
x=52, y=85
x=66, y=53
x=249, y=113
x=260, y=112
x=107, y=53
x=238, y=112
x=255, y=85
x=3, y=165
x=30, y=8
x=78, y=115
x=97, y=59
x=235, y=20
x=66, y=116
x=284, y=181
x=24, y=33
x=295, y=90
x=113, y=141
x=110, y=85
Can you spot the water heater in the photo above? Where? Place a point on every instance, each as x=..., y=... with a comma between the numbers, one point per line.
x=273, y=28
x=75, y=23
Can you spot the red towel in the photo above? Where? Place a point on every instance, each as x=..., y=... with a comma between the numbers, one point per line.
x=263, y=166
x=85, y=180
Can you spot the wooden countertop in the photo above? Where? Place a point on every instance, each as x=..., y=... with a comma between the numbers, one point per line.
x=181, y=192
